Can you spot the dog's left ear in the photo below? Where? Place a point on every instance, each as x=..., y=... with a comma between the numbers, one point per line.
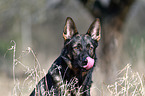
x=69, y=29
x=95, y=30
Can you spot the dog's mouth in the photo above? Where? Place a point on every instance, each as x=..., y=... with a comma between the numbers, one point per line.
x=89, y=63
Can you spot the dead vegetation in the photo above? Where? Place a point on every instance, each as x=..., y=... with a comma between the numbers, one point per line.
x=127, y=83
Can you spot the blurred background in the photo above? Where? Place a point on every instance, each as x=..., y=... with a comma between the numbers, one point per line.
x=39, y=24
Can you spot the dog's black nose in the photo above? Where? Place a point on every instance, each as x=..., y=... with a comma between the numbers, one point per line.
x=85, y=61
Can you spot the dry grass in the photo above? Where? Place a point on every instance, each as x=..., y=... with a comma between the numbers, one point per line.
x=33, y=75
x=128, y=83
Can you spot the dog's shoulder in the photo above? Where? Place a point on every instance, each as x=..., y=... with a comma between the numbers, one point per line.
x=57, y=64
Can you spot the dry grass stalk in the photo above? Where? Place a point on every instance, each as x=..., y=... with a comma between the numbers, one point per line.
x=128, y=83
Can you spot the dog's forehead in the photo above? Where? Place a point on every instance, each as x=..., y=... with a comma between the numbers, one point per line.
x=84, y=39
x=87, y=38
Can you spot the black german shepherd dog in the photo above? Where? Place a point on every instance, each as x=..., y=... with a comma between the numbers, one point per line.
x=77, y=60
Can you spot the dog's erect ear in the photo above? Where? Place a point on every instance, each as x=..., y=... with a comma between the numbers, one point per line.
x=69, y=29
x=95, y=30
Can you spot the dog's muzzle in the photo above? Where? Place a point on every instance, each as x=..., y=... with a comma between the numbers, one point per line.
x=88, y=63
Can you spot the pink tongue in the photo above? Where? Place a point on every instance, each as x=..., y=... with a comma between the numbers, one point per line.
x=90, y=63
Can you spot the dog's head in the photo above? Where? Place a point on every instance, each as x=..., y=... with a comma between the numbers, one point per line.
x=79, y=50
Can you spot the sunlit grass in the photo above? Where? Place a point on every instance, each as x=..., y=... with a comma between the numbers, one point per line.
x=127, y=83
x=33, y=75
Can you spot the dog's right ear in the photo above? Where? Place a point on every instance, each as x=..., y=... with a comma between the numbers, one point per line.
x=95, y=30
x=69, y=29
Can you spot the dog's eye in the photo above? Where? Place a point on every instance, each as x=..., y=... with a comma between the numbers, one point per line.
x=89, y=47
x=78, y=46
x=75, y=47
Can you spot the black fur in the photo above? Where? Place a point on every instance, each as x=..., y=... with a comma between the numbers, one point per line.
x=70, y=64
